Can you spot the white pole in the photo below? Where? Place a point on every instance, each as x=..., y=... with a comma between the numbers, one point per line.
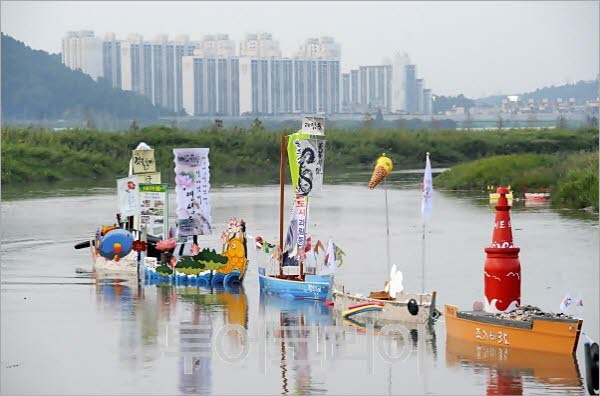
x=423, y=260
x=387, y=225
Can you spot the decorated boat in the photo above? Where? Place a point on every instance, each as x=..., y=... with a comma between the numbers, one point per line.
x=500, y=320
x=141, y=242
x=143, y=204
x=295, y=269
x=393, y=304
x=183, y=261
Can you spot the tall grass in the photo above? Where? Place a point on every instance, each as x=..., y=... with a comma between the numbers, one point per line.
x=572, y=179
x=30, y=154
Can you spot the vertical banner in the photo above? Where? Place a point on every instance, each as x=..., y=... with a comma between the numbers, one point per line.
x=128, y=196
x=295, y=239
x=154, y=209
x=307, y=161
x=192, y=185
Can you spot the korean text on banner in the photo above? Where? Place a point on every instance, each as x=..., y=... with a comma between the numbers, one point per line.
x=128, y=196
x=154, y=208
x=192, y=185
x=143, y=161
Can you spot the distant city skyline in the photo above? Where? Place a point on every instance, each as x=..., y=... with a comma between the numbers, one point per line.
x=474, y=48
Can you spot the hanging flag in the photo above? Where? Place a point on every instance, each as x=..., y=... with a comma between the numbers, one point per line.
x=306, y=161
x=333, y=258
x=566, y=302
x=192, y=184
x=427, y=202
x=295, y=239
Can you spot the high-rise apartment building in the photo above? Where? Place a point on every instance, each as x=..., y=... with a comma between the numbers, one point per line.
x=283, y=85
x=260, y=45
x=82, y=50
x=419, y=97
x=217, y=46
x=399, y=82
x=346, y=98
x=154, y=68
x=369, y=88
x=411, y=89
x=111, y=60
x=319, y=48
x=427, y=102
x=211, y=85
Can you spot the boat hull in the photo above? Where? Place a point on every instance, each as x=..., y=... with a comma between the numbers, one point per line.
x=537, y=196
x=126, y=265
x=392, y=311
x=553, y=335
x=313, y=287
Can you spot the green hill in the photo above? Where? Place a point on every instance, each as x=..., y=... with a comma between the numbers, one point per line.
x=37, y=86
x=582, y=91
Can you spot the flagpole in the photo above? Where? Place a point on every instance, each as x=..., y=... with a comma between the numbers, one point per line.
x=425, y=209
x=387, y=225
x=423, y=260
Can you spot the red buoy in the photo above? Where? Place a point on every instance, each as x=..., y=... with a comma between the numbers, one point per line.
x=502, y=270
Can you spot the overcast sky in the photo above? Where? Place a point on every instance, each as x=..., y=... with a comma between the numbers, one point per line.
x=475, y=48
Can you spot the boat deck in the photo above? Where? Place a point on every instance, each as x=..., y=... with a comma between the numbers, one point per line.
x=486, y=317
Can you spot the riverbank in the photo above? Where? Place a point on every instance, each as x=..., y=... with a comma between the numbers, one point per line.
x=35, y=155
x=571, y=179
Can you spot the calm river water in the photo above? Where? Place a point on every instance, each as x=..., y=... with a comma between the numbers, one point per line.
x=69, y=333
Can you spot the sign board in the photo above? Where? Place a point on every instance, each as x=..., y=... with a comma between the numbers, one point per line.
x=313, y=125
x=149, y=178
x=154, y=209
x=128, y=196
x=143, y=161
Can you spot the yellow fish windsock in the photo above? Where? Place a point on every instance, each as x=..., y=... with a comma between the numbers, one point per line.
x=383, y=167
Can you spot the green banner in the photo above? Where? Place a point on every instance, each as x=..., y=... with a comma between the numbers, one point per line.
x=294, y=154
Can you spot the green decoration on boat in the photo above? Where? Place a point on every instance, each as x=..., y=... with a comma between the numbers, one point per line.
x=206, y=259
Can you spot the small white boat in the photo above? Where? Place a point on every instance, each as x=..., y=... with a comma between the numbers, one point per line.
x=406, y=307
x=537, y=196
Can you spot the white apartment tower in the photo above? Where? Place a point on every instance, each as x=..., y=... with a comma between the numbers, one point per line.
x=154, y=68
x=260, y=45
x=82, y=50
x=211, y=85
x=218, y=46
x=319, y=48
x=399, y=82
x=111, y=60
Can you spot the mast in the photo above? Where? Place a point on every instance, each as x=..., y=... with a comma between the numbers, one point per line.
x=281, y=199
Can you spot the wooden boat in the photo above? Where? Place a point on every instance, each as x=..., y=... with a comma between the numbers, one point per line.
x=392, y=310
x=501, y=320
x=544, y=334
x=308, y=147
x=537, y=196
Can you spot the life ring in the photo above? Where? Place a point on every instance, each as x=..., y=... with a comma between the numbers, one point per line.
x=217, y=279
x=232, y=278
x=591, y=367
x=412, y=306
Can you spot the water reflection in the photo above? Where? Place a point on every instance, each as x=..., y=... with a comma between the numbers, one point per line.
x=297, y=329
x=513, y=371
x=182, y=322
